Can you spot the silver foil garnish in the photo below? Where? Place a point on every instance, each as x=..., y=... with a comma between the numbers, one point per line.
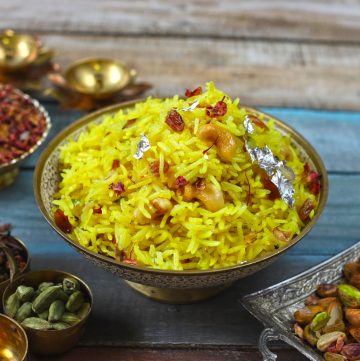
x=279, y=173
x=191, y=107
x=142, y=147
x=248, y=125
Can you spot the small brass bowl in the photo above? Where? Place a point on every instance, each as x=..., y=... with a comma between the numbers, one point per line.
x=51, y=342
x=9, y=171
x=17, y=51
x=4, y=284
x=13, y=340
x=165, y=285
x=99, y=78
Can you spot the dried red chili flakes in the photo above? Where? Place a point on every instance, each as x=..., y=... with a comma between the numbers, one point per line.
x=181, y=181
x=118, y=187
x=191, y=93
x=115, y=164
x=175, y=121
x=311, y=179
x=218, y=110
x=155, y=167
x=22, y=124
x=259, y=123
x=62, y=221
x=305, y=210
x=97, y=210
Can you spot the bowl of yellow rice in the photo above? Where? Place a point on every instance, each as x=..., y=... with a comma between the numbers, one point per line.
x=166, y=194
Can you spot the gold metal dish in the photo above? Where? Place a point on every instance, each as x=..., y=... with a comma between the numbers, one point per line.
x=13, y=340
x=9, y=171
x=163, y=285
x=17, y=51
x=99, y=78
x=4, y=284
x=50, y=342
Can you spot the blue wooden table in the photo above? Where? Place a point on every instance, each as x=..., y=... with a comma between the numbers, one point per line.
x=128, y=320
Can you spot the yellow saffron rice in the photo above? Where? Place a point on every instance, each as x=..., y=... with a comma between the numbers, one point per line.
x=188, y=236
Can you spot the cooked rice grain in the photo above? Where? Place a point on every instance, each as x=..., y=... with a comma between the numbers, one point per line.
x=189, y=236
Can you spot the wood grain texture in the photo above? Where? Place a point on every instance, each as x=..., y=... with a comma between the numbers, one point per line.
x=281, y=19
x=128, y=354
x=261, y=73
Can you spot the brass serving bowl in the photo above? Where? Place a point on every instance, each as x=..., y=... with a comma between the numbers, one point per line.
x=51, y=342
x=9, y=171
x=4, y=284
x=17, y=51
x=13, y=340
x=163, y=285
x=97, y=77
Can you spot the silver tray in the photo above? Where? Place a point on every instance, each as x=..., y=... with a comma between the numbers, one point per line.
x=274, y=306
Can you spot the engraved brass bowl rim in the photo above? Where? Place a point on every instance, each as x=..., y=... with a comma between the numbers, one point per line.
x=64, y=134
x=23, y=333
x=4, y=168
x=30, y=39
x=130, y=73
x=4, y=284
x=41, y=341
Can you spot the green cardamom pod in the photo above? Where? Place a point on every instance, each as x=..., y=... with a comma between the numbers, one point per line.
x=75, y=301
x=84, y=310
x=44, y=285
x=70, y=318
x=25, y=293
x=44, y=315
x=63, y=296
x=45, y=299
x=12, y=304
x=59, y=325
x=56, y=310
x=23, y=312
x=70, y=285
x=35, y=294
x=36, y=323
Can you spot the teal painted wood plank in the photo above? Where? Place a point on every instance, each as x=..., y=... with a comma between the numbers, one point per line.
x=335, y=135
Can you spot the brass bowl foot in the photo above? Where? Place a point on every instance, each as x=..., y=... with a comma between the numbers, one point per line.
x=177, y=295
x=8, y=178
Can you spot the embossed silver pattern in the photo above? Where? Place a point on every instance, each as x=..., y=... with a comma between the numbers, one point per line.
x=274, y=306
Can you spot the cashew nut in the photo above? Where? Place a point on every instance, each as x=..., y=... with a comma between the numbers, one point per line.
x=158, y=207
x=162, y=205
x=226, y=143
x=211, y=197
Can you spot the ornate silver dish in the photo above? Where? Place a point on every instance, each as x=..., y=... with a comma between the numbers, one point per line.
x=274, y=306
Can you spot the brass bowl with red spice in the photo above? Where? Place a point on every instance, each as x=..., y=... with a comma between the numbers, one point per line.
x=24, y=125
x=174, y=286
x=19, y=254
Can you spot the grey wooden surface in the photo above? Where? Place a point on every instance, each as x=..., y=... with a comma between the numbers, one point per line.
x=276, y=53
x=128, y=319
